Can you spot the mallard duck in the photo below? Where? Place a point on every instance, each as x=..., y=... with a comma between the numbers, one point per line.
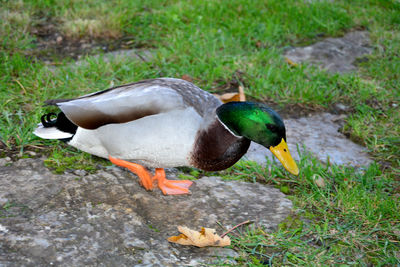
x=165, y=122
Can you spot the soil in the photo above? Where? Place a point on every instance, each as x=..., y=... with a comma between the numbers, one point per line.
x=52, y=45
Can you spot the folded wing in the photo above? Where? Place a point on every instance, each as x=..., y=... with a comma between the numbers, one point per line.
x=121, y=104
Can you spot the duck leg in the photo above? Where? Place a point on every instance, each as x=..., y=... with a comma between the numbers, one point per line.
x=168, y=187
x=145, y=179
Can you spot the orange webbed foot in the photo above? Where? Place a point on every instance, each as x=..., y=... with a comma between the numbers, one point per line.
x=171, y=187
x=168, y=187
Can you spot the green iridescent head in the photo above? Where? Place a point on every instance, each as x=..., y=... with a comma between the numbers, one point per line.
x=260, y=124
x=254, y=121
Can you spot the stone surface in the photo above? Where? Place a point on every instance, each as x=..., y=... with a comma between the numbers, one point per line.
x=319, y=135
x=334, y=54
x=107, y=219
x=4, y=161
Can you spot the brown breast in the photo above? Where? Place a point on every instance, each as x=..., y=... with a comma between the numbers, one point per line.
x=217, y=149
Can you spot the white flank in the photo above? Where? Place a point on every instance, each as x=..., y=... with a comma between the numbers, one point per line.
x=162, y=140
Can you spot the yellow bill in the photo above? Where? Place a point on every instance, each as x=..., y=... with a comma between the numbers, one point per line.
x=281, y=151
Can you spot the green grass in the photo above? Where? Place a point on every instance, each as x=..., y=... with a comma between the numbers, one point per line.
x=64, y=158
x=353, y=220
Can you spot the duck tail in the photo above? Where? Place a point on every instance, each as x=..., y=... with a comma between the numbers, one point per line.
x=58, y=128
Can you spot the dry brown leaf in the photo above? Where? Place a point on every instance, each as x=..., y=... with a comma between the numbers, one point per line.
x=291, y=62
x=187, y=78
x=205, y=238
x=180, y=239
x=229, y=97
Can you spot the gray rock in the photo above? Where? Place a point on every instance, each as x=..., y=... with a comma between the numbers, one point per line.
x=341, y=107
x=334, y=54
x=319, y=135
x=4, y=161
x=80, y=172
x=31, y=153
x=107, y=219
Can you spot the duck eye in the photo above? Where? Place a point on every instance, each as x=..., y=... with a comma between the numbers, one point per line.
x=271, y=127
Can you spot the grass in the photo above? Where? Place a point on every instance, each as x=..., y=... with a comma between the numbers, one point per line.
x=64, y=158
x=353, y=219
x=349, y=220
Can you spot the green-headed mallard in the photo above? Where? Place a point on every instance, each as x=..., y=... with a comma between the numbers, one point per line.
x=164, y=123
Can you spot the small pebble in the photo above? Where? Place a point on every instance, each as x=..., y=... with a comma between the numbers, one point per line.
x=341, y=107
x=3, y=201
x=59, y=39
x=319, y=181
x=80, y=172
x=31, y=153
x=3, y=162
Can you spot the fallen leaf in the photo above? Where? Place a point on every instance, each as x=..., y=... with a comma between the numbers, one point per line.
x=187, y=78
x=180, y=239
x=207, y=237
x=229, y=97
x=291, y=62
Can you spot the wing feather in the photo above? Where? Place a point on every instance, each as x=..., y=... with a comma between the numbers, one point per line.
x=121, y=105
x=134, y=101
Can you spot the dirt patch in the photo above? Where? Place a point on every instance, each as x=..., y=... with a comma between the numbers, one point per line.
x=52, y=45
x=293, y=110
